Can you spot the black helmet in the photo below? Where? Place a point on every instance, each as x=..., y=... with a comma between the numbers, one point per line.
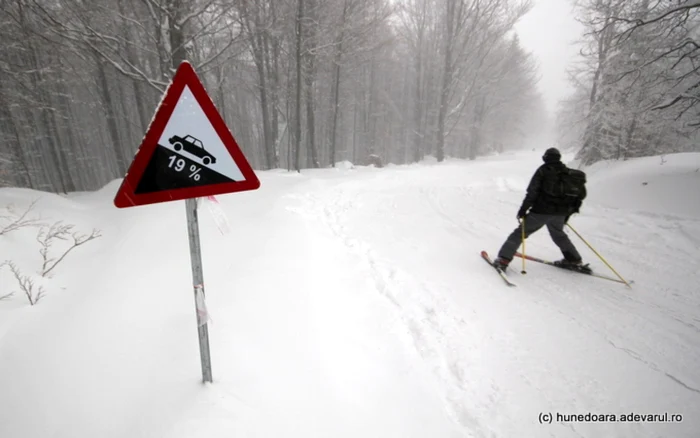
x=551, y=155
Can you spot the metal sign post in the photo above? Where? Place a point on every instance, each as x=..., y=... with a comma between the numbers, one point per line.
x=187, y=153
x=198, y=280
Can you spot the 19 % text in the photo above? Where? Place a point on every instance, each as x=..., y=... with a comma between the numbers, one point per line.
x=179, y=165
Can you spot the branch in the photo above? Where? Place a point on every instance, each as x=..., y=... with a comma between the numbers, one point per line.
x=83, y=38
x=151, y=3
x=202, y=66
x=639, y=22
x=191, y=15
x=26, y=284
x=157, y=85
x=204, y=29
x=670, y=51
x=59, y=231
x=685, y=95
x=19, y=222
x=6, y=296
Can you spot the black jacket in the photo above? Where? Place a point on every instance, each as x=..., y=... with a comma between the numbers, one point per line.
x=541, y=202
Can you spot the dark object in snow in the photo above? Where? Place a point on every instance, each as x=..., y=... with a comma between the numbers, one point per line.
x=374, y=160
x=551, y=155
x=554, y=188
x=193, y=146
x=162, y=174
x=581, y=269
x=501, y=272
x=555, y=193
x=534, y=222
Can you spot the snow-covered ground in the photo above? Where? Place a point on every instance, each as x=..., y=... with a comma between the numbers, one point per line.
x=353, y=302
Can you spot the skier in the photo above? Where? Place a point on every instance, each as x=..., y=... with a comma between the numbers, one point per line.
x=540, y=208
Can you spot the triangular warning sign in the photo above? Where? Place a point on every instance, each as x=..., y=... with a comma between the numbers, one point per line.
x=188, y=152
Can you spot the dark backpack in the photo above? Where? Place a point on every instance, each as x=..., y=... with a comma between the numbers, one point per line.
x=567, y=185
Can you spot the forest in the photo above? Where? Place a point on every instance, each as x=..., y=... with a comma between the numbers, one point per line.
x=309, y=83
x=637, y=82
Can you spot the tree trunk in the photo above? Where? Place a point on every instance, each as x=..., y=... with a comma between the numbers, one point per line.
x=354, y=132
x=59, y=161
x=309, y=72
x=369, y=118
x=311, y=123
x=21, y=176
x=49, y=132
x=275, y=94
x=297, y=140
x=446, y=80
x=475, y=140
x=418, y=102
x=335, y=107
x=257, y=35
x=131, y=57
x=270, y=58
x=68, y=149
x=110, y=115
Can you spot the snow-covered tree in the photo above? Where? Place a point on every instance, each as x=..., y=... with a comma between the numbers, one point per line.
x=640, y=70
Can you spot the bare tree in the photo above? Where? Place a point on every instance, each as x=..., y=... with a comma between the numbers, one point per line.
x=59, y=231
x=12, y=220
x=330, y=80
x=47, y=238
x=260, y=21
x=642, y=69
x=297, y=112
x=26, y=284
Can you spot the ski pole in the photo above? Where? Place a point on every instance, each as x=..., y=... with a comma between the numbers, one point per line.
x=599, y=256
x=522, y=233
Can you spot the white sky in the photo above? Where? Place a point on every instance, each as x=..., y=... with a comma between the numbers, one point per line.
x=549, y=31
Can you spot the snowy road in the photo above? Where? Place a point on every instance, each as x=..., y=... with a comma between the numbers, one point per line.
x=560, y=342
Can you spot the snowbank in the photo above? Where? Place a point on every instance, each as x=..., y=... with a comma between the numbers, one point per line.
x=352, y=302
x=666, y=184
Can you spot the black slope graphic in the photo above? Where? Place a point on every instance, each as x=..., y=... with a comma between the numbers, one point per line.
x=169, y=170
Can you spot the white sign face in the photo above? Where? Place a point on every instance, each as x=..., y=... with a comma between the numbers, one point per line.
x=189, y=133
x=188, y=151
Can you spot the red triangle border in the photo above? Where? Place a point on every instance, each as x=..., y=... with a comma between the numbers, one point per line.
x=184, y=76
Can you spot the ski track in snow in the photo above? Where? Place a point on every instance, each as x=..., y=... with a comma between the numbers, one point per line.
x=436, y=333
x=496, y=356
x=416, y=305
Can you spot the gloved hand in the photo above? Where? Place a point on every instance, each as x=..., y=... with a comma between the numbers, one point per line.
x=575, y=208
x=522, y=212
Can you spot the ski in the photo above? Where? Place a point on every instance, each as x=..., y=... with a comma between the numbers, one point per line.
x=586, y=271
x=485, y=256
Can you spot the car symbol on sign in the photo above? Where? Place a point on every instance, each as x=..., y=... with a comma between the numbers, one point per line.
x=193, y=146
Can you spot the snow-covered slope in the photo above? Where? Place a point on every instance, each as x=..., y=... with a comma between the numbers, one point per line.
x=665, y=185
x=352, y=302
